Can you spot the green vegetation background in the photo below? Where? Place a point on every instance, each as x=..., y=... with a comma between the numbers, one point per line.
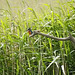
x=38, y=55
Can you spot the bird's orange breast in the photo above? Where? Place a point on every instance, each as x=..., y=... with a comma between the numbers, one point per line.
x=29, y=32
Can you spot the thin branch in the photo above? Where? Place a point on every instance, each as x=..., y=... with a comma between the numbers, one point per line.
x=70, y=37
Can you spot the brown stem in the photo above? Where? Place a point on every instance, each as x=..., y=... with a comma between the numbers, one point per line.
x=70, y=37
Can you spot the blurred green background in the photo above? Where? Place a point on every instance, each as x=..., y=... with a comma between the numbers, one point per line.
x=38, y=55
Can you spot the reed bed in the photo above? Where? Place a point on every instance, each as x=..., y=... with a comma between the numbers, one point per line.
x=38, y=55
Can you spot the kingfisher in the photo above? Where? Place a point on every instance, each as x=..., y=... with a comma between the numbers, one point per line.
x=29, y=31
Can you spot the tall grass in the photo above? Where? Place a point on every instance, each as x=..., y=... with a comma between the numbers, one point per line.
x=38, y=55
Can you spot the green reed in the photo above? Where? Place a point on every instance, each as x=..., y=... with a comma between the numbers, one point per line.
x=38, y=55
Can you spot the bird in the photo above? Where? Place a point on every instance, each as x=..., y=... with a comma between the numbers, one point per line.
x=30, y=31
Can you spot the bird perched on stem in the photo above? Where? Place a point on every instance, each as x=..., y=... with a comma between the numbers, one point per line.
x=32, y=33
x=29, y=31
